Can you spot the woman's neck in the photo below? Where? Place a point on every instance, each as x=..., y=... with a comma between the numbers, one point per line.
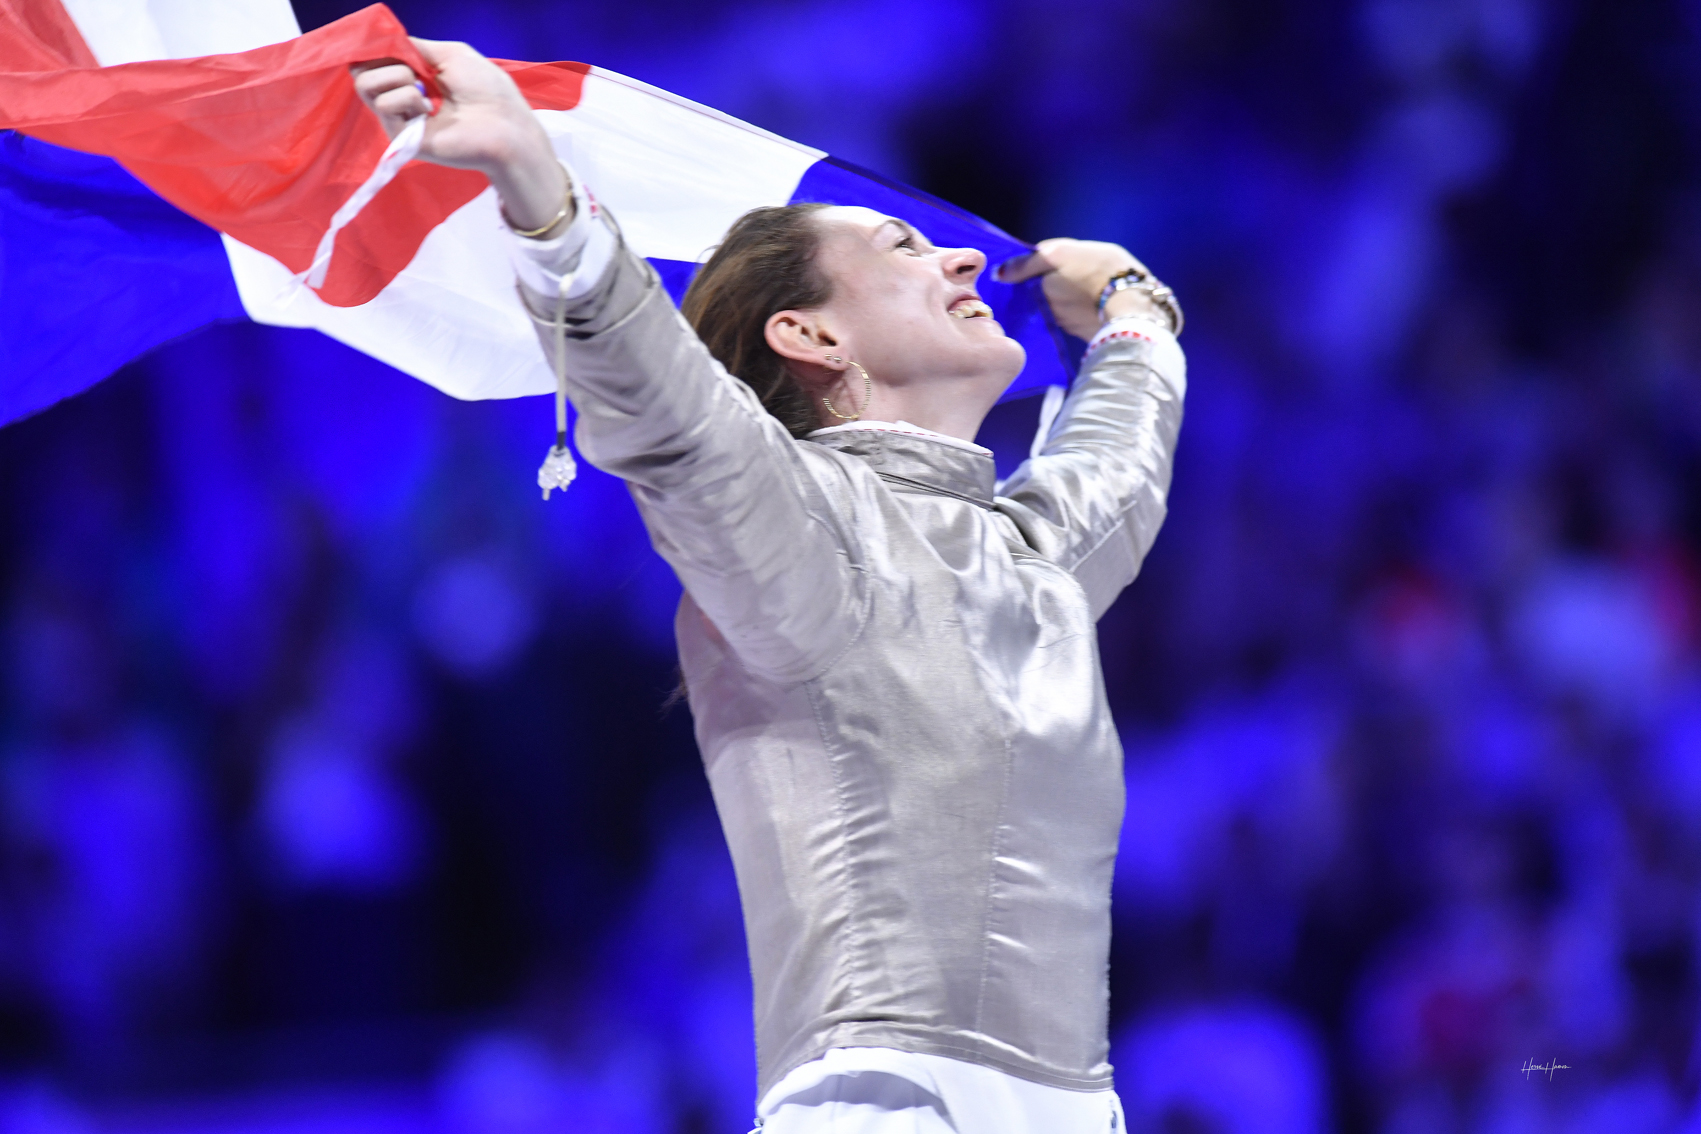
x=956, y=409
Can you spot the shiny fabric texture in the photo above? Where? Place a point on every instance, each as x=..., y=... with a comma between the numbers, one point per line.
x=893, y=669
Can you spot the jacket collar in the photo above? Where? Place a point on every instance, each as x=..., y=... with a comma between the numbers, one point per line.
x=910, y=457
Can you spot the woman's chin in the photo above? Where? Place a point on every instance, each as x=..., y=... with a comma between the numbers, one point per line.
x=1012, y=355
x=994, y=354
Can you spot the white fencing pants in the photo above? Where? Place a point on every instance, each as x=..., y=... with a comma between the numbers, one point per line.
x=867, y=1090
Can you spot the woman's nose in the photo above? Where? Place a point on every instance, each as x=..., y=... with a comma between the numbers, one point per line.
x=965, y=262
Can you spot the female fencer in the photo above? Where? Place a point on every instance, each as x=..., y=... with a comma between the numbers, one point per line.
x=890, y=658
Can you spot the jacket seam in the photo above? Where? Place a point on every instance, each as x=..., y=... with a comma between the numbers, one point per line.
x=858, y=568
x=919, y=488
x=992, y=886
x=853, y=944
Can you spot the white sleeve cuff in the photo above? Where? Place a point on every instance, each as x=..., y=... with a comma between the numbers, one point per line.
x=569, y=264
x=1130, y=327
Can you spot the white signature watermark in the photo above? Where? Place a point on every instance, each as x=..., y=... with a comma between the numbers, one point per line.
x=1549, y=1067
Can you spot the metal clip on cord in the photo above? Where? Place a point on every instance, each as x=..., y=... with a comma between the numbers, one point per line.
x=558, y=469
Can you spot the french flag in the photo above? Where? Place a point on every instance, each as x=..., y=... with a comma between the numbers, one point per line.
x=169, y=163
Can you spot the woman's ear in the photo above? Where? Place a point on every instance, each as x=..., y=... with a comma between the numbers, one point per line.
x=798, y=336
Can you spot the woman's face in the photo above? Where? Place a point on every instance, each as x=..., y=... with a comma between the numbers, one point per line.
x=906, y=310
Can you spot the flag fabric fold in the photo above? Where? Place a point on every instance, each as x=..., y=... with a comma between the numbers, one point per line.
x=262, y=145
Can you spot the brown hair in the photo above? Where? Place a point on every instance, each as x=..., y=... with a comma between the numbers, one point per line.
x=765, y=264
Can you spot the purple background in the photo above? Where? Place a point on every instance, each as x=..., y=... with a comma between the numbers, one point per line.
x=339, y=790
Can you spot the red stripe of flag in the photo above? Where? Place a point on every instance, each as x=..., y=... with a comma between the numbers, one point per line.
x=39, y=35
x=264, y=145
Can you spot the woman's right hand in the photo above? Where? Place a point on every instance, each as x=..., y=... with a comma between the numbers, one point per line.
x=1073, y=274
x=484, y=123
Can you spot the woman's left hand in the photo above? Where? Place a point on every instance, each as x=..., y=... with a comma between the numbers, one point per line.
x=483, y=123
x=1074, y=273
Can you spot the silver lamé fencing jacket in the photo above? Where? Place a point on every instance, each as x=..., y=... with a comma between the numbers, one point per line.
x=894, y=674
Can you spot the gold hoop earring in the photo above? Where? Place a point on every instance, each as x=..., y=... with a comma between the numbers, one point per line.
x=867, y=396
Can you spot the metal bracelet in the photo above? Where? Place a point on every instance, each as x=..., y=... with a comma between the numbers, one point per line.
x=1139, y=279
x=534, y=233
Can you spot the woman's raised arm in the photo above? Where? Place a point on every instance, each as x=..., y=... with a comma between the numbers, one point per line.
x=723, y=488
x=1095, y=496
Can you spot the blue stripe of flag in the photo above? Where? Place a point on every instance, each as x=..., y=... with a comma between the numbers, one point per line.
x=95, y=270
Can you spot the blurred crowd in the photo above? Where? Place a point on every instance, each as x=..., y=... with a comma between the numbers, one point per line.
x=332, y=760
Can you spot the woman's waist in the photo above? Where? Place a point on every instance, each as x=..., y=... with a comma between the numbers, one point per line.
x=943, y=941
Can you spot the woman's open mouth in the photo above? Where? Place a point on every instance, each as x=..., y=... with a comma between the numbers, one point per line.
x=970, y=308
